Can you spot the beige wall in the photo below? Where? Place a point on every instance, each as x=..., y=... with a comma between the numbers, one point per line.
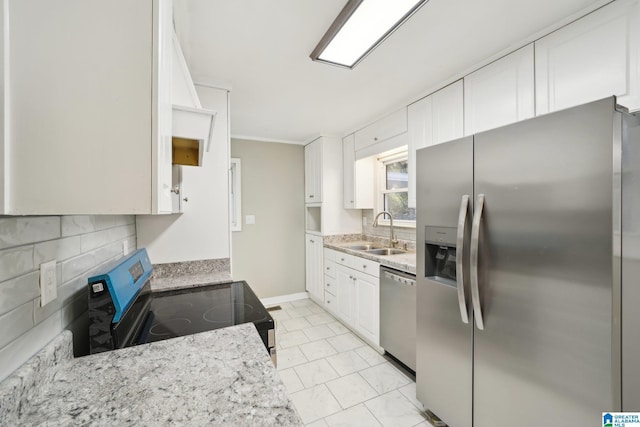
x=269, y=254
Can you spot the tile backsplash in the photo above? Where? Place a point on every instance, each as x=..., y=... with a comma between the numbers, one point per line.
x=404, y=234
x=81, y=245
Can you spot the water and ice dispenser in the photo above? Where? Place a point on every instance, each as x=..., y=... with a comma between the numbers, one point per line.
x=440, y=254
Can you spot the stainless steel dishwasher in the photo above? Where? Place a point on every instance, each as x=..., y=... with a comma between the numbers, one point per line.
x=398, y=315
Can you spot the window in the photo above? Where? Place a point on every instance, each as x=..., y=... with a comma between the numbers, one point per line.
x=235, y=199
x=394, y=189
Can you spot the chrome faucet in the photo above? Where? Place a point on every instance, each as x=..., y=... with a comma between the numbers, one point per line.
x=392, y=239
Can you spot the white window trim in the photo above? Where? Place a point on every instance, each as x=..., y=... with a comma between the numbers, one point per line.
x=381, y=185
x=235, y=194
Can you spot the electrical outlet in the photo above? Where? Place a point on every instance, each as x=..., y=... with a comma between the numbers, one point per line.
x=48, y=285
x=125, y=247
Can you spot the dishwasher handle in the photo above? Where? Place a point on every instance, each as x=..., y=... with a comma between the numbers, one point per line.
x=403, y=280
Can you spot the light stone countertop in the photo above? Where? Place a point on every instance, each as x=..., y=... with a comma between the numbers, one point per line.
x=403, y=262
x=190, y=281
x=219, y=377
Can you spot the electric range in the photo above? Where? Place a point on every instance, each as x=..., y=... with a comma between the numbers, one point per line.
x=123, y=311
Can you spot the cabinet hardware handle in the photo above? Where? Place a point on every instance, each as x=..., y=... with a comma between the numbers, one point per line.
x=375, y=138
x=341, y=259
x=352, y=201
x=175, y=189
x=312, y=241
x=328, y=268
x=311, y=196
x=186, y=199
x=328, y=302
x=364, y=266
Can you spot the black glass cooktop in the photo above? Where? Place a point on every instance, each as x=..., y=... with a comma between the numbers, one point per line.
x=189, y=311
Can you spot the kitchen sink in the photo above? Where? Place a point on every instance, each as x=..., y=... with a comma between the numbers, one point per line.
x=366, y=247
x=386, y=251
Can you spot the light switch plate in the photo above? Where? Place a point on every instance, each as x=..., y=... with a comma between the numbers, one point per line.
x=250, y=219
x=48, y=285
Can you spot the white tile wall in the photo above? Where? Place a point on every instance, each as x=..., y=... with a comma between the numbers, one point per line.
x=401, y=233
x=81, y=245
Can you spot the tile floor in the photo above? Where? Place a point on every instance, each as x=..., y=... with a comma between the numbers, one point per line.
x=336, y=379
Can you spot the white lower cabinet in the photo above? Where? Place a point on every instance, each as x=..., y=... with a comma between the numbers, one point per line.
x=367, y=301
x=355, y=296
x=314, y=273
x=346, y=292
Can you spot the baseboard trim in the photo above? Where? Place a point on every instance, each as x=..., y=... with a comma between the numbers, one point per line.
x=268, y=302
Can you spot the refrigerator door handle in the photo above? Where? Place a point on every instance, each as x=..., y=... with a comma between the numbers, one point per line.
x=475, y=245
x=462, y=222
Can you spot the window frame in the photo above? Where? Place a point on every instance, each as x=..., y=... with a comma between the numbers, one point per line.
x=381, y=189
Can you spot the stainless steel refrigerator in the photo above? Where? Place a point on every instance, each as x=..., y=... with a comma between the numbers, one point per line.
x=520, y=233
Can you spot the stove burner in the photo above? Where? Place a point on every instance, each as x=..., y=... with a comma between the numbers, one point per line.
x=223, y=313
x=173, y=309
x=171, y=328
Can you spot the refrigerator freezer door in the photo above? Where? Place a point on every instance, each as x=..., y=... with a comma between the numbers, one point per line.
x=546, y=274
x=444, y=342
x=631, y=264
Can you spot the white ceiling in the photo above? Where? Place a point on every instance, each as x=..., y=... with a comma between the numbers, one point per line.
x=260, y=49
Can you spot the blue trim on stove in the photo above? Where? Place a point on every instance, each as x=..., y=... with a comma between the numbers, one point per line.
x=121, y=284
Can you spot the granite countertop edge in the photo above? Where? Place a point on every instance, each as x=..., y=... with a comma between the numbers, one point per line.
x=405, y=262
x=218, y=377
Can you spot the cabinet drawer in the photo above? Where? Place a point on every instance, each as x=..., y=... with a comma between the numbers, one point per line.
x=329, y=268
x=330, y=301
x=345, y=259
x=330, y=254
x=388, y=127
x=330, y=285
x=367, y=266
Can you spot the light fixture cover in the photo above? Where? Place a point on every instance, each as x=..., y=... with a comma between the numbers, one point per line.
x=360, y=27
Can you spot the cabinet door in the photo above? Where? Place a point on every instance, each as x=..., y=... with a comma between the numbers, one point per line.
x=392, y=125
x=345, y=282
x=314, y=273
x=358, y=177
x=94, y=154
x=500, y=93
x=368, y=307
x=161, y=148
x=591, y=58
x=313, y=172
x=348, y=172
x=432, y=120
x=447, y=114
x=419, y=123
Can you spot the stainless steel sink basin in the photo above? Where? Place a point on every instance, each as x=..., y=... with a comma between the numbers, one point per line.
x=366, y=247
x=386, y=251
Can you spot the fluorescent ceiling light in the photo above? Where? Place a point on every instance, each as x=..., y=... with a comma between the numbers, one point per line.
x=360, y=27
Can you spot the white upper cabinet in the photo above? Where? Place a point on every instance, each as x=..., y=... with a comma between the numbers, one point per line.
x=358, y=177
x=434, y=119
x=87, y=107
x=500, y=93
x=592, y=58
x=448, y=113
x=313, y=172
x=392, y=125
